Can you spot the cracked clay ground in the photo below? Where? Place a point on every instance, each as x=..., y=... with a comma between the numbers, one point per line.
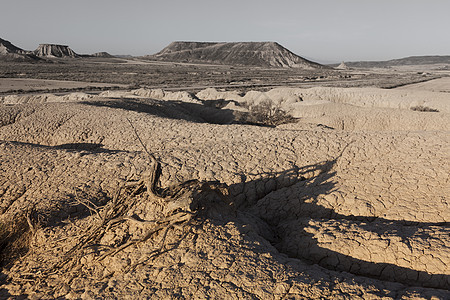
x=309, y=211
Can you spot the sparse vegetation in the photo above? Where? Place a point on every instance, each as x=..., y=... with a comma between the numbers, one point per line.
x=422, y=108
x=183, y=204
x=170, y=76
x=265, y=113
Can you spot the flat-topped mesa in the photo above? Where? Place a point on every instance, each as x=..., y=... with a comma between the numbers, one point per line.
x=52, y=50
x=259, y=54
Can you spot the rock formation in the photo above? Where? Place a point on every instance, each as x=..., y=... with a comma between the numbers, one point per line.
x=7, y=47
x=10, y=52
x=260, y=54
x=342, y=66
x=52, y=50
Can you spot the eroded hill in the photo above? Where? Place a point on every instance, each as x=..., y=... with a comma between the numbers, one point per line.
x=260, y=54
x=53, y=50
x=10, y=52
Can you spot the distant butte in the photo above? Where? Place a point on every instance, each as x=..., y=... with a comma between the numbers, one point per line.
x=260, y=54
x=53, y=50
x=44, y=53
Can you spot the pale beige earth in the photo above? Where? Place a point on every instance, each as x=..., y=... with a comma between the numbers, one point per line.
x=352, y=201
x=436, y=85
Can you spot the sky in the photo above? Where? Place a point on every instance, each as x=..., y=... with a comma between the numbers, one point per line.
x=321, y=30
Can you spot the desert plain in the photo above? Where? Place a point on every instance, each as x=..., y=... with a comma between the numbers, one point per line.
x=125, y=178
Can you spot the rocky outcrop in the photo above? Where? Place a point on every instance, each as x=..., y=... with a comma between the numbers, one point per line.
x=260, y=54
x=6, y=47
x=342, y=66
x=52, y=50
x=10, y=52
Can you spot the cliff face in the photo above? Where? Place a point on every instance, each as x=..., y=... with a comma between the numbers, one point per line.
x=261, y=54
x=52, y=50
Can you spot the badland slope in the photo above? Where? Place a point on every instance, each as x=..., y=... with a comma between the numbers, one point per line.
x=348, y=202
x=10, y=52
x=53, y=50
x=260, y=54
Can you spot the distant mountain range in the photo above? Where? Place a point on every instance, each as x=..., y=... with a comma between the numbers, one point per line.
x=10, y=52
x=260, y=54
x=407, y=61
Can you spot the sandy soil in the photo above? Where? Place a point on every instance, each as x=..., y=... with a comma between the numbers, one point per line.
x=351, y=201
x=436, y=85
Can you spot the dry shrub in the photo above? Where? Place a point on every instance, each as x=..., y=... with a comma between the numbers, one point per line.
x=266, y=113
x=179, y=206
x=422, y=108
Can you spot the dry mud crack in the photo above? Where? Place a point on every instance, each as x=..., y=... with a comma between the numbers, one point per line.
x=239, y=211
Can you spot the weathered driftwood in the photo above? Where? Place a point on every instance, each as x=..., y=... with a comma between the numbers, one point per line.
x=180, y=205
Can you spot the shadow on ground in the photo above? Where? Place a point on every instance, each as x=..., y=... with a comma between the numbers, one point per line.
x=178, y=110
x=72, y=147
x=68, y=205
x=210, y=111
x=273, y=228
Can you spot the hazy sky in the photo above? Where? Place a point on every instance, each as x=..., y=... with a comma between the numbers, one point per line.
x=324, y=30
